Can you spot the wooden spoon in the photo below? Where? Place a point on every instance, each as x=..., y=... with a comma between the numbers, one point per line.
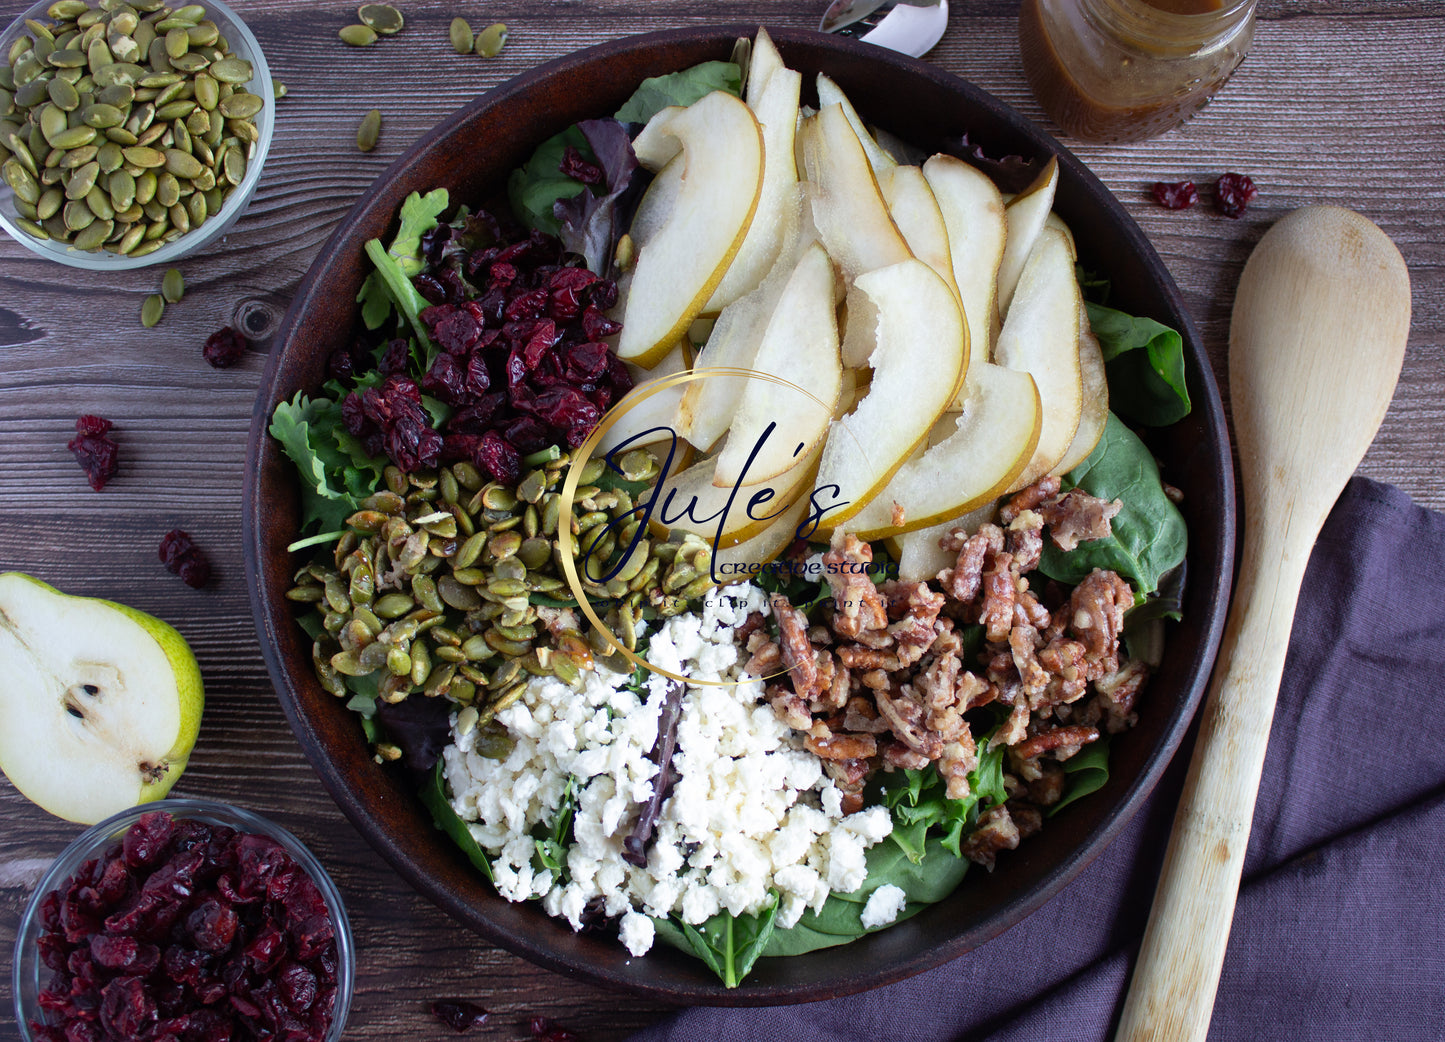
x=1315, y=348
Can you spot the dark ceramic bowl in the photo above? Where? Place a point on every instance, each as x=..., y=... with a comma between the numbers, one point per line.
x=471, y=154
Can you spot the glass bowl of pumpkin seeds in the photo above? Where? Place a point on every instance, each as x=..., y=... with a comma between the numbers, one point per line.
x=131, y=132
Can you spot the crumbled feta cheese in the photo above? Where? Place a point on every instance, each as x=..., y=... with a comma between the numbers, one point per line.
x=750, y=812
x=883, y=906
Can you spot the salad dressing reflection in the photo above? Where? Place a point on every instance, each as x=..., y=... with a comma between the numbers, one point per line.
x=1113, y=71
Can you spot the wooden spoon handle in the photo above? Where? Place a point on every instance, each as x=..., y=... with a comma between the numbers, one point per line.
x=1171, y=997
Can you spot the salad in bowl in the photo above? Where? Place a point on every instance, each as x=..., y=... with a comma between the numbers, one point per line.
x=738, y=532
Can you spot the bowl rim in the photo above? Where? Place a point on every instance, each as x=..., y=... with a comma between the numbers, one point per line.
x=26, y=970
x=270, y=610
x=215, y=227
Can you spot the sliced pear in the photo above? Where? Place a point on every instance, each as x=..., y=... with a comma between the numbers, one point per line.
x=973, y=216
x=921, y=355
x=763, y=62
x=914, y=209
x=776, y=111
x=1027, y=213
x=799, y=348
x=690, y=502
x=918, y=554
x=829, y=93
x=102, y=703
x=1094, y=412
x=679, y=266
x=737, y=563
x=642, y=409
x=1041, y=337
x=994, y=441
x=707, y=406
x=848, y=208
x=1057, y=223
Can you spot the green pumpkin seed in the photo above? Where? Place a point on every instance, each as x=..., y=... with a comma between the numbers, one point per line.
x=120, y=95
x=231, y=70
x=63, y=94
x=180, y=218
x=194, y=61
x=241, y=106
x=99, y=202
x=144, y=156
x=491, y=40
x=369, y=130
x=131, y=239
x=110, y=157
x=102, y=116
x=278, y=88
x=204, y=34
x=67, y=10
x=74, y=137
x=66, y=59
x=173, y=286
x=152, y=310
x=168, y=190
x=49, y=203
x=82, y=180
x=174, y=110
x=183, y=164
x=121, y=186
x=196, y=208
x=384, y=18
x=461, y=36
x=94, y=236
x=77, y=216
x=21, y=182
x=358, y=35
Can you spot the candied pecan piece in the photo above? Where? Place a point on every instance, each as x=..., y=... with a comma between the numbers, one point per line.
x=1096, y=614
x=1064, y=659
x=1024, y=538
x=996, y=832
x=906, y=719
x=1063, y=742
x=789, y=707
x=996, y=613
x=1047, y=789
x=1028, y=499
x=959, y=757
x=963, y=580
x=1023, y=643
x=1116, y=694
x=1015, y=727
x=858, y=606
x=797, y=649
x=862, y=715
x=842, y=746
x=1029, y=611
x=916, y=608
x=1077, y=517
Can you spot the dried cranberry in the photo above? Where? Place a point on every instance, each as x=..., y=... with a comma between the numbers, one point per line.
x=1180, y=195
x=224, y=347
x=145, y=842
x=459, y=1014
x=94, y=449
x=497, y=456
x=182, y=557
x=579, y=169
x=212, y=925
x=1233, y=193
x=545, y=1030
x=396, y=357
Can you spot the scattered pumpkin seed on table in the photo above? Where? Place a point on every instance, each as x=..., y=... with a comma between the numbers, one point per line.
x=152, y=310
x=383, y=18
x=461, y=35
x=491, y=40
x=358, y=35
x=173, y=286
x=369, y=130
x=97, y=103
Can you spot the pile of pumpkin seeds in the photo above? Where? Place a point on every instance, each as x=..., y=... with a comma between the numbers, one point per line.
x=123, y=125
x=444, y=584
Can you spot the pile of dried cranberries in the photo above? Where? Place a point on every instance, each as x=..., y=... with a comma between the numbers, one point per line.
x=188, y=932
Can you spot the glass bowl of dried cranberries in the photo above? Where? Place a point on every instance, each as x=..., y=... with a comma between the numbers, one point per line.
x=184, y=919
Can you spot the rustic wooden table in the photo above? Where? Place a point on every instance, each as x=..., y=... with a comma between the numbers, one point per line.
x=1341, y=101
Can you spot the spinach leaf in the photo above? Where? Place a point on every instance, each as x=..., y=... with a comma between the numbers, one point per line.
x=552, y=844
x=335, y=472
x=929, y=879
x=535, y=186
x=680, y=88
x=1087, y=771
x=434, y=798
x=1144, y=361
x=729, y=945
x=1148, y=535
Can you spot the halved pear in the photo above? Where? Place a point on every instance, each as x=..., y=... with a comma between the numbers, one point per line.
x=829, y=93
x=800, y=349
x=680, y=265
x=776, y=110
x=102, y=703
x=973, y=217
x=1027, y=213
x=1094, y=412
x=848, y=208
x=915, y=210
x=1041, y=337
x=918, y=554
x=642, y=410
x=707, y=406
x=689, y=501
x=921, y=356
x=994, y=440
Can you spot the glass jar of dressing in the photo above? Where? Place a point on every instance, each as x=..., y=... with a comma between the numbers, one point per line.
x=1123, y=70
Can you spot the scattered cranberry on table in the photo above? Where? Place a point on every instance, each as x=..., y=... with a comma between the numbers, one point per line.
x=1179, y=195
x=95, y=450
x=183, y=557
x=1233, y=193
x=224, y=348
x=459, y=1014
x=544, y=1030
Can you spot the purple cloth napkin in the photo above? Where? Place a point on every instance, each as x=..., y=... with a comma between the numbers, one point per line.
x=1339, y=933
